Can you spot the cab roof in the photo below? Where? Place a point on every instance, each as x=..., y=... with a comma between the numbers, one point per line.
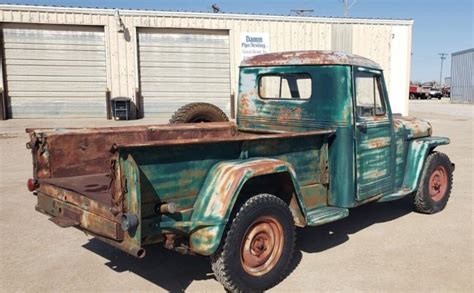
x=314, y=57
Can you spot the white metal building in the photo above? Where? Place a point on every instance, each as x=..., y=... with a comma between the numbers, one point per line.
x=462, y=76
x=66, y=62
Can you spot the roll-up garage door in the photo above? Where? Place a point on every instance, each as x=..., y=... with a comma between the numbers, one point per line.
x=183, y=66
x=55, y=71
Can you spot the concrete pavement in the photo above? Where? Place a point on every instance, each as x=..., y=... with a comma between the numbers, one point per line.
x=379, y=247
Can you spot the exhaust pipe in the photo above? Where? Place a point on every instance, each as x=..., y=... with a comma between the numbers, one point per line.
x=135, y=250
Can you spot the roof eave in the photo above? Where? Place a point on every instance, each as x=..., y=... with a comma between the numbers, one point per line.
x=135, y=12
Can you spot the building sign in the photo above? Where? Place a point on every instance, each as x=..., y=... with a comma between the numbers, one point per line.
x=253, y=44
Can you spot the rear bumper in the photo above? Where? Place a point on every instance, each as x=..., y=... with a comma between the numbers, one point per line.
x=65, y=214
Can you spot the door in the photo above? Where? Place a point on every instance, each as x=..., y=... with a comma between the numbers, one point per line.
x=180, y=66
x=55, y=71
x=373, y=135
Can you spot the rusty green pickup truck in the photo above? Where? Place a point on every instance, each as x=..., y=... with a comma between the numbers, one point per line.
x=314, y=137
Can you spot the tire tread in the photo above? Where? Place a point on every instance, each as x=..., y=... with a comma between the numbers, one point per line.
x=422, y=202
x=218, y=260
x=184, y=113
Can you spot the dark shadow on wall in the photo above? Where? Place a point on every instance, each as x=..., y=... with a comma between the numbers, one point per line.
x=175, y=272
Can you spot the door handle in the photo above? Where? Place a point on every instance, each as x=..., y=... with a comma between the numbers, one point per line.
x=362, y=126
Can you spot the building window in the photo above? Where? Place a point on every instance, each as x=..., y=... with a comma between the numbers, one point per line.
x=285, y=86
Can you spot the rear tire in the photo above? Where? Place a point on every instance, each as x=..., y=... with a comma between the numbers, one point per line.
x=198, y=112
x=435, y=184
x=257, y=250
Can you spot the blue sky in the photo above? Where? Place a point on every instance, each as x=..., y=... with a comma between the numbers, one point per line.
x=440, y=25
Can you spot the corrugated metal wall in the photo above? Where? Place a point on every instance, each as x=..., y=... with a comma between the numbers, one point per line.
x=462, y=76
x=178, y=67
x=367, y=37
x=341, y=37
x=55, y=71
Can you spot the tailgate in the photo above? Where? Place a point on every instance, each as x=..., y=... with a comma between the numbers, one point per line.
x=99, y=204
x=81, y=181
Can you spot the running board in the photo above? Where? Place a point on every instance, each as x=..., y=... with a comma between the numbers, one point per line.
x=394, y=196
x=325, y=215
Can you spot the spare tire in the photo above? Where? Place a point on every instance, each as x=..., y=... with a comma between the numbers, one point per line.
x=198, y=112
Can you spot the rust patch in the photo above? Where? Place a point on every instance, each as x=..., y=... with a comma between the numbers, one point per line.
x=83, y=151
x=296, y=212
x=289, y=114
x=96, y=187
x=85, y=203
x=246, y=107
x=87, y=220
x=415, y=127
x=378, y=142
x=315, y=57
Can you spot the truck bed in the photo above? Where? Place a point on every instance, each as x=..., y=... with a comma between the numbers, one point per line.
x=89, y=177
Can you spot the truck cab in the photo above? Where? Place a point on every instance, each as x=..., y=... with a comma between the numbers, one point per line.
x=370, y=152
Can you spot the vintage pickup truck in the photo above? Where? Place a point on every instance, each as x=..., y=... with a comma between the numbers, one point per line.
x=314, y=137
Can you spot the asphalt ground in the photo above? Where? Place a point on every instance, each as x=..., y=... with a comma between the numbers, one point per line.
x=379, y=247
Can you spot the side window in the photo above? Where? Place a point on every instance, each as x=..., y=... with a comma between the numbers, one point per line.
x=369, y=99
x=285, y=86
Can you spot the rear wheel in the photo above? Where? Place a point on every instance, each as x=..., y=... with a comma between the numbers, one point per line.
x=435, y=184
x=198, y=112
x=258, y=247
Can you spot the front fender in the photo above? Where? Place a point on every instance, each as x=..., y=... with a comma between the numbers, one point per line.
x=418, y=151
x=219, y=194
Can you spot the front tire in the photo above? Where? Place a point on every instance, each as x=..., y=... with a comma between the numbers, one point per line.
x=258, y=248
x=435, y=184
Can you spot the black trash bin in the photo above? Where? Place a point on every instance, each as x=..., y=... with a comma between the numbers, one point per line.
x=121, y=108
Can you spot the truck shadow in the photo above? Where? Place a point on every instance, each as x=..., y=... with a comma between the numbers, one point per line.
x=170, y=270
x=175, y=272
x=320, y=238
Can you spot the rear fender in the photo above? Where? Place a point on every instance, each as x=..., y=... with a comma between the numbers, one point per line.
x=418, y=151
x=219, y=193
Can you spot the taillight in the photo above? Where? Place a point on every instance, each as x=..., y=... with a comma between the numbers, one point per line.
x=32, y=184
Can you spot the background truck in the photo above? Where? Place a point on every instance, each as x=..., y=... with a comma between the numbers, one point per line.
x=419, y=92
x=314, y=137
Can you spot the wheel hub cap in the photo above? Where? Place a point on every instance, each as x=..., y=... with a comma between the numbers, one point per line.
x=438, y=183
x=262, y=246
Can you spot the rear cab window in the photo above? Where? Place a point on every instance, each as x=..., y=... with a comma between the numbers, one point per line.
x=289, y=86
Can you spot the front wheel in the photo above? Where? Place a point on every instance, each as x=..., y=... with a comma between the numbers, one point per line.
x=435, y=184
x=258, y=248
